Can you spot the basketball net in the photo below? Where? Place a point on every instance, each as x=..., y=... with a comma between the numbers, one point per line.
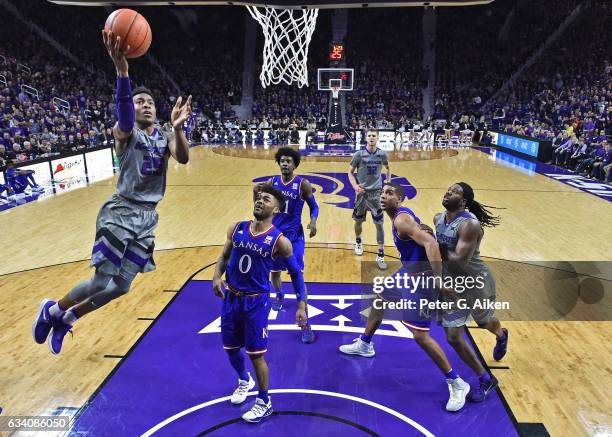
x=287, y=35
x=335, y=91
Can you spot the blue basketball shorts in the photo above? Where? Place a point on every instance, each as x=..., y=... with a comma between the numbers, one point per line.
x=244, y=322
x=416, y=296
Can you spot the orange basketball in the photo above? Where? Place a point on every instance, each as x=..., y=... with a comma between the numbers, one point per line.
x=133, y=29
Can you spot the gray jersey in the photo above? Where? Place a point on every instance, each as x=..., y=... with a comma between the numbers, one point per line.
x=142, y=167
x=369, y=166
x=448, y=236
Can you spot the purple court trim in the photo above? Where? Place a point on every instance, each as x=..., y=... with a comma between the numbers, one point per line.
x=178, y=375
x=107, y=252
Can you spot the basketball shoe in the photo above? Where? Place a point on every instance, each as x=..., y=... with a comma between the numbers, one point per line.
x=240, y=394
x=358, y=347
x=259, y=411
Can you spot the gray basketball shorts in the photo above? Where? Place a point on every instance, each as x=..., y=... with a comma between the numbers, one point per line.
x=477, y=304
x=368, y=200
x=125, y=237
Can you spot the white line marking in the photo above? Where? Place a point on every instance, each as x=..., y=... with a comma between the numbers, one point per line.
x=332, y=394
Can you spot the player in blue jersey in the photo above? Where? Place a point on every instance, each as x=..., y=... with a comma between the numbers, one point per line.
x=297, y=191
x=249, y=252
x=420, y=257
x=460, y=231
x=20, y=180
x=126, y=222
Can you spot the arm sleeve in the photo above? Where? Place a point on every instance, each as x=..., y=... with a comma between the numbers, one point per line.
x=314, y=207
x=297, y=278
x=125, y=107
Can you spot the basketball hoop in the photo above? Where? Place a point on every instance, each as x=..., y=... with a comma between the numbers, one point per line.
x=287, y=34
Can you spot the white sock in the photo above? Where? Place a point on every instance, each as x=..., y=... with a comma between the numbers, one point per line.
x=69, y=317
x=55, y=311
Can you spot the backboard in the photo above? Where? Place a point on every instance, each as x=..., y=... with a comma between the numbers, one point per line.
x=279, y=4
x=341, y=78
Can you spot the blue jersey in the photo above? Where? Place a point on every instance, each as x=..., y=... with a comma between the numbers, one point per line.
x=410, y=250
x=289, y=221
x=11, y=178
x=17, y=182
x=251, y=260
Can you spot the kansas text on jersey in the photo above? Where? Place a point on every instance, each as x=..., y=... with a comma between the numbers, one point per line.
x=251, y=260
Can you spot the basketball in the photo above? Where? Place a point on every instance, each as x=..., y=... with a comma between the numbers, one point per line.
x=133, y=29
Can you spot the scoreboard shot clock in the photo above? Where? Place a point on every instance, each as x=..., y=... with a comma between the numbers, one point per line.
x=336, y=52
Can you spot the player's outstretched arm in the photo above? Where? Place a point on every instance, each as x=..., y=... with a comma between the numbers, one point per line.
x=308, y=196
x=285, y=249
x=218, y=283
x=178, y=144
x=126, y=115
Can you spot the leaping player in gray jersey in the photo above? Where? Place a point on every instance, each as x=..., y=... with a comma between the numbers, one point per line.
x=459, y=231
x=126, y=222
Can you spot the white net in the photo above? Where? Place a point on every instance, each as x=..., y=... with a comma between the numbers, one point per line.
x=287, y=35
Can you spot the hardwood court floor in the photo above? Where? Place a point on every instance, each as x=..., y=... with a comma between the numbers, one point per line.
x=559, y=372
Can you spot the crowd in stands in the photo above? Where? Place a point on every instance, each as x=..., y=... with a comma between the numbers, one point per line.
x=69, y=106
x=591, y=156
x=568, y=102
x=479, y=47
x=35, y=123
x=555, y=95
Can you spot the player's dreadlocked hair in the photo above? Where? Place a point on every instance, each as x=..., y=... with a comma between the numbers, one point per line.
x=288, y=151
x=481, y=212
